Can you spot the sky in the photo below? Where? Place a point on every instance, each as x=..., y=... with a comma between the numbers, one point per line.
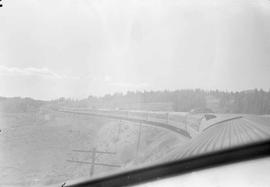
x=76, y=48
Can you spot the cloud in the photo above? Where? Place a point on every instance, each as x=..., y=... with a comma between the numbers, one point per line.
x=129, y=85
x=107, y=78
x=122, y=85
x=32, y=71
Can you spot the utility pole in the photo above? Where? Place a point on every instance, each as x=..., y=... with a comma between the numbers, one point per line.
x=93, y=162
x=139, y=140
x=119, y=130
x=186, y=121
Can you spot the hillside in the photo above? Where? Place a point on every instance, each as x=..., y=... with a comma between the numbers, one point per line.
x=42, y=146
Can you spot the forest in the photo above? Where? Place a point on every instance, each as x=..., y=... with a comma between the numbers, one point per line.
x=249, y=101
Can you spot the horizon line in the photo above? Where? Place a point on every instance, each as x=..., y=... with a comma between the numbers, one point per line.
x=135, y=91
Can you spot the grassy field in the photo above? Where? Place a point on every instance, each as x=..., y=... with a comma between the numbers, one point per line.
x=34, y=150
x=35, y=147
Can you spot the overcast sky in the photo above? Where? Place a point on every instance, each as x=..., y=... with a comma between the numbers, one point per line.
x=74, y=48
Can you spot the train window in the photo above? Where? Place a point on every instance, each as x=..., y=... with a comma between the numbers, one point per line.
x=95, y=88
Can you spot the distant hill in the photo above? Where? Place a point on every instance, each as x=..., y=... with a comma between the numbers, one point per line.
x=19, y=105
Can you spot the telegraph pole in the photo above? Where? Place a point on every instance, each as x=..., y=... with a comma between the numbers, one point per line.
x=119, y=130
x=139, y=140
x=93, y=162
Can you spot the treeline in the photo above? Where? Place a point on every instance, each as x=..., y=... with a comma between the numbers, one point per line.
x=249, y=102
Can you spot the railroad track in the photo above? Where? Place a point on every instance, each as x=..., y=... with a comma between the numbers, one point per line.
x=163, y=121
